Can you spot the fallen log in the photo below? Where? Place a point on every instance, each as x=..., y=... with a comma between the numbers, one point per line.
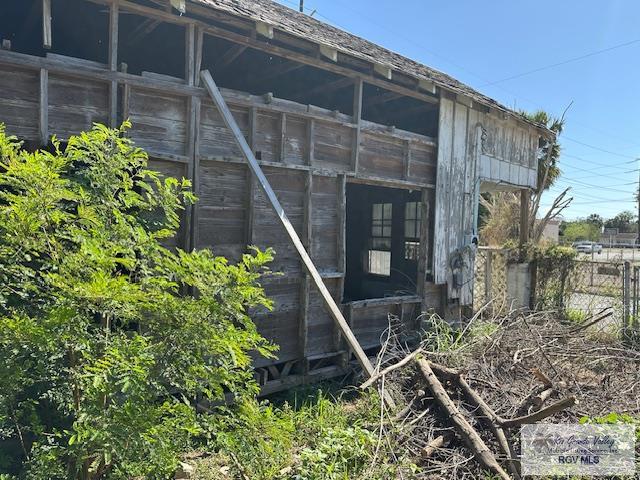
x=374, y=378
x=542, y=397
x=486, y=411
x=432, y=446
x=468, y=434
x=540, y=414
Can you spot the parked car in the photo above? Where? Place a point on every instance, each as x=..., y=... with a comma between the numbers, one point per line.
x=587, y=247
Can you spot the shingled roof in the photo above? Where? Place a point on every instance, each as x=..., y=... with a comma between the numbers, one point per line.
x=311, y=29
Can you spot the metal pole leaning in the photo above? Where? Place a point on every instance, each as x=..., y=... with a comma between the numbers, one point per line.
x=329, y=302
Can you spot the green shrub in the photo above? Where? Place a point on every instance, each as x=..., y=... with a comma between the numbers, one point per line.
x=102, y=349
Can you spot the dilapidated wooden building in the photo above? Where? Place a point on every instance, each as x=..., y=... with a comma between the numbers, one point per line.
x=377, y=160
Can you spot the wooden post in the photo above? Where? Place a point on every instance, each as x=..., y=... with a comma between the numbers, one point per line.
x=198, y=59
x=190, y=54
x=488, y=276
x=524, y=216
x=341, y=208
x=330, y=303
x=113, y=63
x=424, y=248
x=626, y=297
x=406, y=158
x=305, y=284
x=283, y=136
x=357, y=116
x=44, y=107
x=191, y=212
x=311, y=129
x=46, y=24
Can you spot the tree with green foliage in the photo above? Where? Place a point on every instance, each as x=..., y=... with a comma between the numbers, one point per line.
x=580, y=230
x=107, y=337
x=625, y=222
x=596, y=220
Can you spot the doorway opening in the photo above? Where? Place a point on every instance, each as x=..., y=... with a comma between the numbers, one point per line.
x=382, y=241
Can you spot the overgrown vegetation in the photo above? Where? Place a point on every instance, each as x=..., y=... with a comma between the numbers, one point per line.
x=554, y=265
x=308, y=437
x=104, y=345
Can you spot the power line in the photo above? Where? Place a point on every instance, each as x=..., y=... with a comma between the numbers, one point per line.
x=564, y=62
x=599, y=149
x=494, y=83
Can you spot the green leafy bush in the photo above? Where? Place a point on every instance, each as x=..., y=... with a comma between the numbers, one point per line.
x=106, y=336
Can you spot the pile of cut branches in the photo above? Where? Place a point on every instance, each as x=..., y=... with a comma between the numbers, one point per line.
x=463, y=394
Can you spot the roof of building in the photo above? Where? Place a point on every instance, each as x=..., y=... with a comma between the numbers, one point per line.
x=311, y=29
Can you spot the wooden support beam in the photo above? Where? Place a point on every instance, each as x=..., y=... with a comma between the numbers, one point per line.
x=341, y=208
x=382, y=98
x=47, y=41
x=114, y=12
x=126, y=100
x=423, y=254
x=142, y=30
x=230, y=56
x=324, y=88
x=311, y=129
x=406, y=159
x=279, y=70
x=306, y=280
x=251, y=179
x=191, y=212
x=283, y=137
x=277, y=50
x=113, y=103
x=524, y=216
x=330, y=303
x=44, y=107
x=113, y=63
x=357, y=120
x=198, y=58
x=190, y=55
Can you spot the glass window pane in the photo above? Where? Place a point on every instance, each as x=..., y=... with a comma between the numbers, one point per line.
x=377, y=211
x=387, y=211
x=380, y=262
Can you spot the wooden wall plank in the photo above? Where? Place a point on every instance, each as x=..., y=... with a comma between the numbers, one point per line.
x=44, y=106
x=160, y=122
x=20, y=102
x=445, y=151
x=46, y=24
x=358, y=89
x=75, y=105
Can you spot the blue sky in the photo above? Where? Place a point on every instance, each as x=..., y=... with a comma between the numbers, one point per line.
x=482, y=42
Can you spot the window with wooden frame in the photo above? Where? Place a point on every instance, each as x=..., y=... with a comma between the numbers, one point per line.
x=412, y=227
x=379, y=253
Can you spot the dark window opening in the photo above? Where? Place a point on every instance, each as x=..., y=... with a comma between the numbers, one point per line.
x=147, y=45
x=405, y=113
x=412, y=226
x=242, y=68
x=79, y=29
x=382, y=241
x=379, y=253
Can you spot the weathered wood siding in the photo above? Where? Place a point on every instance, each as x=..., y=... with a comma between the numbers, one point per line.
x=473, y=147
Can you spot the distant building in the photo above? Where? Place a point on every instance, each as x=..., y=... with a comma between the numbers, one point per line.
x=551, y=232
